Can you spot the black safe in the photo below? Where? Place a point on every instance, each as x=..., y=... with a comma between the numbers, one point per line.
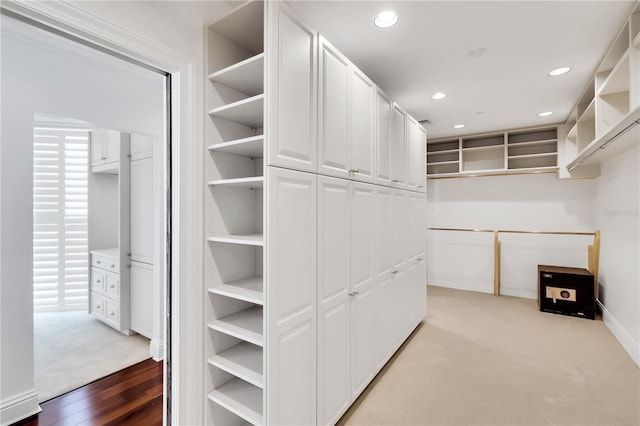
x=567, y=291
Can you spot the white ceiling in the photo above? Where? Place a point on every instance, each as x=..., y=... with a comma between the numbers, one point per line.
x=427, y=51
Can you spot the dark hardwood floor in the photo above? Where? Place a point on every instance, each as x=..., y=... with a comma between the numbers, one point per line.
x=132, y=396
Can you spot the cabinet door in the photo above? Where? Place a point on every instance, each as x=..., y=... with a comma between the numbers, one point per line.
x=141, y=147
x=141, y=302
x=382, y=268
x=399, y=230
x=333, y=143
x=361, y=136
x=362, y=286
x=333, y=300
x=111, y=146
x=292, y=86
x=97, y=138
x=398, y=142
x=417, y=225
x=383, y=139
x=416, y=155
x=421, y=288
x=141, y=207
x=291, y=296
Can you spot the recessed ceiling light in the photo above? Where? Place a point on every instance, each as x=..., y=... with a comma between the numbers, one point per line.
x=458, y=126
x=438, y=95
x=559, y=71
x=386, y=19
x=545, y=114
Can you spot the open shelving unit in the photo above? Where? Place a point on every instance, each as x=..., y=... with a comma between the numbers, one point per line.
x=235, y=291
x=609, y=107
x=513, y=151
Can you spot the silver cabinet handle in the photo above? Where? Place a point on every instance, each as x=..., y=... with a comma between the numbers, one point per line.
x=395, y=272
x=395, y=181
x=354, y=171
x=98, y=262
x=419, y=258
x=113, y=266
x=354, y=293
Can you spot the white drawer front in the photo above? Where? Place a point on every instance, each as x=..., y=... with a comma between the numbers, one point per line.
x=112, y=312
x=97, y=305
x=112, y=282
x=107, y=263
x=97, y=279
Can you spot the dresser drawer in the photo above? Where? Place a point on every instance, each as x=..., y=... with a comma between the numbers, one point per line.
x=98, y=279
x=112, y=312
x=97, y=305
x=107, y=263
x=112, y=284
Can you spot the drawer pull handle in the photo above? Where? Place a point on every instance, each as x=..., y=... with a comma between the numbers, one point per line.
x=112, y=313
x=354, y=171
x=113, y=266
x=395, y=272
x=395, y=181
x=98, y=262
x=419, y=258
x=354, y=293
x=98, y=281
x=112, y=286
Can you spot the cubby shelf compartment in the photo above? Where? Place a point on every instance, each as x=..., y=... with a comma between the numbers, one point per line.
x=248, y=112
x=252, y=146
x=241, y=398
x=245, y=76
x=243, y=360
x=249, y=239
x=248, y=182
x=618, y=78
x=248, y=289
x=245, y=325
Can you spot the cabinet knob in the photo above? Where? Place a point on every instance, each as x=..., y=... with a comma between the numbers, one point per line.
x=112, y=314
x=112, y=286
x=353, y=171
x=98, y=262
x=113, y=266
x=395, y=272
x=419, y=258
x=98, y=281
x=97, y=306
x=395, y=181
x=354, y=293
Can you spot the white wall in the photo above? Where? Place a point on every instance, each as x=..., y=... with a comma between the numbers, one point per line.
x=520, y=202
x=617, y=215
x=59, y=78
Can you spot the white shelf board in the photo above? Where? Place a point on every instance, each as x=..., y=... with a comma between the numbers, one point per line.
x=248, y=112
x=248, y=182
x=589, y=113
x=636, y=41
x=442, y=163
x=533, y=169
x=442, y=175
x=540, y=155
x=482, y=171
x=594, y=154
x=252, y=146
x=243, y=360
x=531, y=143
x=483, y=148
x=245, y=325
x=446, y=151
x=249, y=239
x=245, y=77
x=249, y=289
x=241, y=398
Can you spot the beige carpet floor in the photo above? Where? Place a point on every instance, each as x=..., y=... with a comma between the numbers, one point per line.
x=73, y=349
x=485, y=360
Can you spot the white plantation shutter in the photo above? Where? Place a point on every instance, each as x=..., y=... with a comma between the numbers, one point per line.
x=60, y=224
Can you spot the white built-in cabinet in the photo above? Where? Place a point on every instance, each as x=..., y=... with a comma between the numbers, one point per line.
x=299, y=144
x=105, y=150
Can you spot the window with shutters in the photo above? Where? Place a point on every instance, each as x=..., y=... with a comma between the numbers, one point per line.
x=60, y=225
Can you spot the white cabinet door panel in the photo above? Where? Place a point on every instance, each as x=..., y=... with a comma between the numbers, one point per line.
x=361, y=137
x=141, y=146
x=398, y=147
x=291, y=296
x=292, y=140
x=333, y=143
x=399, y=229
x=141, y=205
x=141, y=305
x=363, y=331
x=383, y=139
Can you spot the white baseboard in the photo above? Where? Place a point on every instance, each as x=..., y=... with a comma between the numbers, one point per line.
x=622, y=336
x=519, y=292
x=19, y=407
x=469, y=286
x=156, y=349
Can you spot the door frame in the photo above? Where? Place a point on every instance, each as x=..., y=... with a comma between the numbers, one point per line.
x=184, y=217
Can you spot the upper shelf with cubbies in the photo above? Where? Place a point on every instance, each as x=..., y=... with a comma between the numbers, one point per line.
x=531, y=150
x=610, y=104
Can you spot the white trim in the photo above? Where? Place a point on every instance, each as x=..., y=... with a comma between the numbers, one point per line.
x=518, y=292
x=468, y=286
x=622, y=336
x=156, y=349
x=19, y=407
x=187, y=362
